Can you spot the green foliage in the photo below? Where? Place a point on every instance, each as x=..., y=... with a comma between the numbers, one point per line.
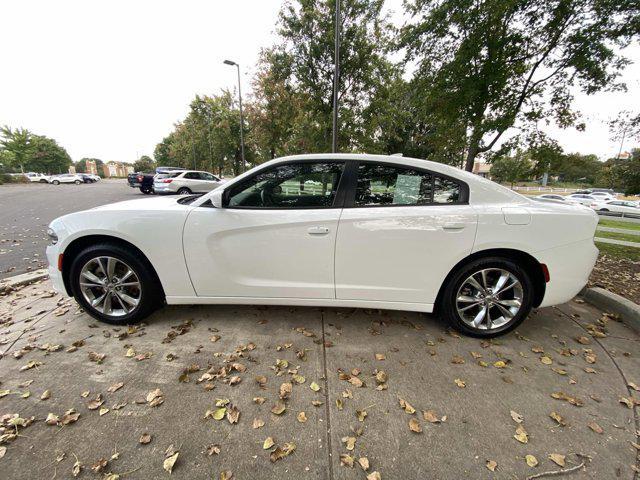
x=23, y=150
x=144, y=164
x=484, y=65
x=511, y=168
x=622, y=174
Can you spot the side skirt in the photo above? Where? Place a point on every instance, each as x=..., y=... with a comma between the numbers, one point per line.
x=301, y=302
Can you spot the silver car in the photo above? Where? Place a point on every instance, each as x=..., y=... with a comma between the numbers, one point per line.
x=185, y=182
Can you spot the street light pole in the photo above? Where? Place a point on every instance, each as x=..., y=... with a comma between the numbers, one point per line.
x=229, y=62
x=336, y=79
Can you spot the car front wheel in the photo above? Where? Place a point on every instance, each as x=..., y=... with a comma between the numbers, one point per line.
x=488, y=297
x=56, y=182
x=113, y=285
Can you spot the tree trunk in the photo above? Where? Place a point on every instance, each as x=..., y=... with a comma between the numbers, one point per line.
x=472, y=153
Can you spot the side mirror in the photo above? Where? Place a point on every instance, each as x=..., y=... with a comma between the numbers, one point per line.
x=216, y=198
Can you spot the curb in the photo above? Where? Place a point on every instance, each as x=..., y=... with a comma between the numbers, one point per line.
x=611, y=302
x=23, y=279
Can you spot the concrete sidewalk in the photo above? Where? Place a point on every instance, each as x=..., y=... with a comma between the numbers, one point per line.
x=365, y=365
x=616, y=242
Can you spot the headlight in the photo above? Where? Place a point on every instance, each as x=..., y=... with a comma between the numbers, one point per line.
x=53, y=238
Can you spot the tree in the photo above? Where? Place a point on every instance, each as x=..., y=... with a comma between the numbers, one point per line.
x=301, y=65
x=576, y=167
x=511, y=168
x=18, y=144
x=162, y=152
x=47, y=156
x=144, y=164
x=482, y=66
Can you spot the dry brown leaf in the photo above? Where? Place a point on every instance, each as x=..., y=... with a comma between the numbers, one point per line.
x=558, y=459
x=516, y=417
x=406, y=406
x=258, y=423
x=278, y=408
x=380, y=356
x=415, y=426
x=521, y=434
x=364, y=463
x=374, y=476
x=46, y=395
x=460, y=383
x=595, y=427
x=145, y=438
x=346, y=460
x=491, y=465
x=302, y=417
x=268, y=443
x=556, y=416
x=531, y=460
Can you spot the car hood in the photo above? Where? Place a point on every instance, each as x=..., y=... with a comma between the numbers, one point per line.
x=151, y=203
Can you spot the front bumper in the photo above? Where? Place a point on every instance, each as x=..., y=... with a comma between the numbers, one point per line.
x=55, y=275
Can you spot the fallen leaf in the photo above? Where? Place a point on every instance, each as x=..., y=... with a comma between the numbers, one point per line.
x=572, y=400
x=314, y=386
x=374, y=476
x=46, y=395
x=380, y=356
x=302, y=417
x=285, y=390
x=558, y=459
x=233, y=414
x=516, y=417
x=595, y=427
x=431, y=416
x=460, y=383
x=491, y=465
x=457, y=360
x=169, y=462
x=350, y=442
x=415, y=426
x=213, y=449
x=406, y=406
x=144, y=438
x=258, y=423
x=521, y=434
x=115, y=387
x=226, y=475
x=556, y=416
x=278, y=408
x=346, y=460
x=531, y=460
x=268, y=443
x=364, y=463
x=281, y=452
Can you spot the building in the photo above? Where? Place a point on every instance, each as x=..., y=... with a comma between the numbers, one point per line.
x=90, y=167
x=482, y=169
x=72, y=169
x=116, y=169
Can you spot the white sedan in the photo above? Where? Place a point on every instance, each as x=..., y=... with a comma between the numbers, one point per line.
x=622, y=207
x=583, y=199
x=557, y=198
x=336, y=230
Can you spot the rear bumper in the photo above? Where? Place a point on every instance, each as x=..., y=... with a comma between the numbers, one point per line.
x=569, y=269
x=163, y=188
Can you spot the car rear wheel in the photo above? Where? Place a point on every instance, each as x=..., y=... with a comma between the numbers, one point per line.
x=146, y=190
x=56, y=182
x=184, y=191
x=113, y=285
x=77, y=182
x=488, y=297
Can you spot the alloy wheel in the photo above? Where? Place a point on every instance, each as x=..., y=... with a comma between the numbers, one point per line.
x=110, y=286
x=489, y=298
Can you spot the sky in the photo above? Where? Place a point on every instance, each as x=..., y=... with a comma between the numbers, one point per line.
x=109, y=79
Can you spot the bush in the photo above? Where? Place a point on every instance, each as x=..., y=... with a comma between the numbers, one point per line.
x=16, y=178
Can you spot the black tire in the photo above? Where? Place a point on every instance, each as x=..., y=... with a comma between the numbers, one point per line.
x=56, y=182
x=604, y=210
x=43, y=181
x=77, y=182
x=449, y=297
x=184, y=191
x=146, y=190
x=151, y=294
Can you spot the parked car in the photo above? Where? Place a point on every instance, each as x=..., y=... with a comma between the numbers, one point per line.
x=373, y=231
x=621, y=207
x=88, y=178
x=583, y=199
x=185, y=182
x=37, y=177
x=143, y=181
x=557, y=198
x=602, y=196
x=66, y=178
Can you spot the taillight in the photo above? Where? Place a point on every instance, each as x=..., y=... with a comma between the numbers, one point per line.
x=140, y=178
x=545, y=272
x=167, y=180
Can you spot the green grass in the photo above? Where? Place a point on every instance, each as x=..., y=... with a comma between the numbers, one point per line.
x=619, y=251
x=627, y=237
x=619, y=224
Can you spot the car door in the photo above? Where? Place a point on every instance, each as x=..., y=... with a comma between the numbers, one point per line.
x=400, y=233
x=274, y=236
x=209, y=181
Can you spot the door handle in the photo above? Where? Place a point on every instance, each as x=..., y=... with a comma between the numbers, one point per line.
x=453, y=226
x=317, y=230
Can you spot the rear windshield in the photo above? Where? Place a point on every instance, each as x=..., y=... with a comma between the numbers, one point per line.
x=167, y=175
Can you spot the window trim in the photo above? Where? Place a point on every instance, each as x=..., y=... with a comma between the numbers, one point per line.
x=353, y=185
x=338, y=201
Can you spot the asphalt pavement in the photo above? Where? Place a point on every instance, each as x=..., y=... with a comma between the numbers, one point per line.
x=27, y=209
x=245, y=392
